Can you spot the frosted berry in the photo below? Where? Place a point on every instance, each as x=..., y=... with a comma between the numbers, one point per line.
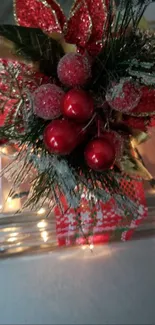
x=47, y=101
x=124, y=96
x=74, y=69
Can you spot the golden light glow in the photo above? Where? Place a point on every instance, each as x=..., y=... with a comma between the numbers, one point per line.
x=44, y=236
x=91, y=246
x=4, y=150
x=9, y=229
x=9, y=199
x=15, y=234
x=41, y=211
x=12, y=239
x=42, y=224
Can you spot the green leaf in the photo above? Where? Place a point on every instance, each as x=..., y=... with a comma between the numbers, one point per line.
x=32, y=44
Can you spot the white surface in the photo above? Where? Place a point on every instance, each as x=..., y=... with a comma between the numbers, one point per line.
x=116, y=285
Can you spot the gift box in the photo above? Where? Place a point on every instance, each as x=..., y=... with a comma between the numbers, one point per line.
x=97, y=222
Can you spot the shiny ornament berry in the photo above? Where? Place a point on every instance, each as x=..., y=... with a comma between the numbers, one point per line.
x=124, y=96
x=78, y=105
x=100, y=154
x=60, y=137
x=47, y=101
x=74, y=70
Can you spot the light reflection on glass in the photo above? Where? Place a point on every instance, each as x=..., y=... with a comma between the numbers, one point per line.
x=14, y=234
x=41, y=211
x=12, y=239
x=42, y=224
x=44, y=236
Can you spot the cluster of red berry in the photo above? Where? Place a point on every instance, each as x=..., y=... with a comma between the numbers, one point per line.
x=70, y=112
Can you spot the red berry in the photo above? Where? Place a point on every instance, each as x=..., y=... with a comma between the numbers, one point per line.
x=100, y=154
x=78, y=105
x=117, y=140
x=60, y=137
x=47, y=101
x=74, y=69
x=3, y=141
x=146, y=103
x=124, y=96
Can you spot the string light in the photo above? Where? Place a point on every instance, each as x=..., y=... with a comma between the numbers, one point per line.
x=91, y=246
x=12, y=239
x=15, y=234
x=42, y=224
x=41, y=211
x=9, y=199
x=44, y=236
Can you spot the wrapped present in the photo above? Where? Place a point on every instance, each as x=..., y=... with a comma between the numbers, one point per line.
x=100, y=222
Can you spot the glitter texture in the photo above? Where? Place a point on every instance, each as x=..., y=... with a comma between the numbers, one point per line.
x=47, y=101
x=146, y=106
x=58, y=10
x=74, y=69
x=15, y=80
x=85, y=26
x=79, y=26
x=37, y=14
x=124, y=96
x=98, y=13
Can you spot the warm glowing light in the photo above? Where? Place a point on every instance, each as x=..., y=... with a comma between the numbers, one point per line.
x=12, y=239
x=84, y=247
x=9, y=229
x=44, y=236
x=9, y=200
x=4, y=150
x=91, y=246
x=42, y=224
x=41, y=211
x=133, y=143
x=15, y=234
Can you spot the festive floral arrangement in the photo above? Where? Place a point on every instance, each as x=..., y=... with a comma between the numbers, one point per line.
x=77, y=96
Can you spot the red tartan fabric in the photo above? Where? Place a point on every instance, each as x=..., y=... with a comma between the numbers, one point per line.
x=108, y=225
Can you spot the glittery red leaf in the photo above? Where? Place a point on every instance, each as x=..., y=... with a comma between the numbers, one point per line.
x=59, y=12
x=38, y=14
x=98, y=13
x=146, y=106
x=15, y=78
x=79, y=26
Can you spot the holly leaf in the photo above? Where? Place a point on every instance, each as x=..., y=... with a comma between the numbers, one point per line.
x=32, y=44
